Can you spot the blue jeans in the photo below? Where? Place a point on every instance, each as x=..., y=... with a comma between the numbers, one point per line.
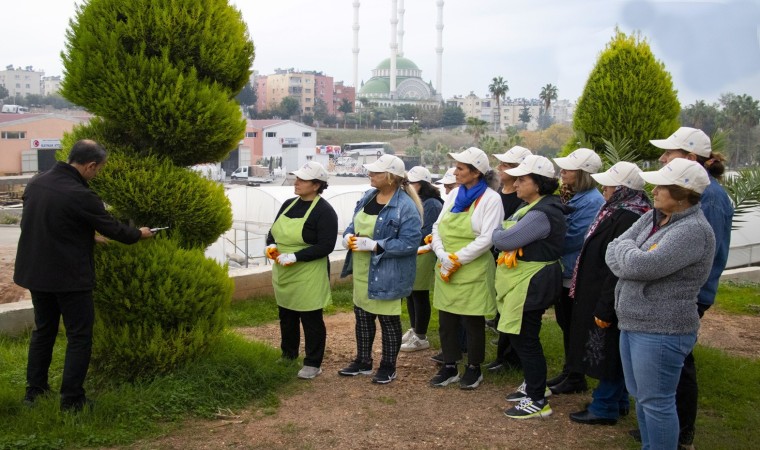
x=609, y=398
x=652, y=365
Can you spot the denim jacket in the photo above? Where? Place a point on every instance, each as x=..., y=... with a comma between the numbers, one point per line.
x=397, y=233
x=583, y=209
x=719, y=212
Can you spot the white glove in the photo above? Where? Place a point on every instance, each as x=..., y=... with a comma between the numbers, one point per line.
x=345, y=241
x=441, y=254
x=445, y=274
x=423, y=249
x=286, y=259
x=447, y=264
x=363, y=244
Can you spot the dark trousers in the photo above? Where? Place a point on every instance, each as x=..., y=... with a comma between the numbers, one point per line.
x=687, y=394
x=531, y=353
x=390, y=327
x=563, y=311
x=314, y=331
x=449, y=326
x=418, y=305
x=78, y=311
x=504, y=350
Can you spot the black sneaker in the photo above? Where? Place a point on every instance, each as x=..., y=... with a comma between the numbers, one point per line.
x=471, y=378
x=384, y=375
x=528, y=409
x=445, y=376
x=495, y=366
x=356, y=368
x=438, y=358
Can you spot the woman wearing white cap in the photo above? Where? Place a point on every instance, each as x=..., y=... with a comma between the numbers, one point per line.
x=583, y=200
x=662, y=262
x=594, y=337
x=418, y=303
x=449, y=180
x=528, y=277
x=301, y=238
x=505, y=354
x=464, y=289
x=693, y=144
x=383, y=239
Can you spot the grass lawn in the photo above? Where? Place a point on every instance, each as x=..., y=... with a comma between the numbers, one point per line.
x=237, y=373
x=738, y=298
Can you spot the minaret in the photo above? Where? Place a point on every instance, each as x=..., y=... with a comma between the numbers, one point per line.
x=401, y=11
x=439, y=51
x=394, y=46
x=356, y=45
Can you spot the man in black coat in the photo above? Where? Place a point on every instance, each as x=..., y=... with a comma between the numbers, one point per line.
x=55, y=262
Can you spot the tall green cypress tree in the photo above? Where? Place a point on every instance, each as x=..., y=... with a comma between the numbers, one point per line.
x=161, y=77
x=628, y=94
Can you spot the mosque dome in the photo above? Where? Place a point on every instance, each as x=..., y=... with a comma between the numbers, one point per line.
x=401, y=63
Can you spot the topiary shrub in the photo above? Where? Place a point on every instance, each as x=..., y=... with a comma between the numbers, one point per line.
x=161, y=76
x=628, y=93
x=170, y=308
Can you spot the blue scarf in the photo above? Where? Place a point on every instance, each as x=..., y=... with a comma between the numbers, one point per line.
x=465, y=197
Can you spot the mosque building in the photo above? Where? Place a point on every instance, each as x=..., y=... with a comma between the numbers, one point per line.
x=398, y=80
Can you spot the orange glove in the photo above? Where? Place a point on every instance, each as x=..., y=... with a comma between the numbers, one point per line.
x=423, y=249
x=509, y=258
x=428, y=239
x=600, y=323
x=271, y=251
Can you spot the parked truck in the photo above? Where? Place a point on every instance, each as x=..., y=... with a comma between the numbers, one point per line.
x=252, y=174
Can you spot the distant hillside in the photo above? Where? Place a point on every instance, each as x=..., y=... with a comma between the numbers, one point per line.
x=454, y=139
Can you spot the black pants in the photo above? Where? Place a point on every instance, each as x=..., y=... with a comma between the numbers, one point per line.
x=390, y=327
x=505, y=352
x=687, y=394
x=528, y=346
x=418, y=305
x=314, y=333
x=563, y=311
x=449, y=326
x=78, y=313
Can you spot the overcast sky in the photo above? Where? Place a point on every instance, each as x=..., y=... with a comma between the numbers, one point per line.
x=709, y=47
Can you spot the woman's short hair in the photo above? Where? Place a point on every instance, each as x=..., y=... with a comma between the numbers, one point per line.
x=680, y=194
x=583, y=181
x=322, y=185
x=546, y=185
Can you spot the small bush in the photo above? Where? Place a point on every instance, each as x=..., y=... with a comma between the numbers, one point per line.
x=157, y=306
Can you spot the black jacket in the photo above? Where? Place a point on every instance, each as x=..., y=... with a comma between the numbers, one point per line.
x=60, y=217
x=320, y=230
x=593, y=350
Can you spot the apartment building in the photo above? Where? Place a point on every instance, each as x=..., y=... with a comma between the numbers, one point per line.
x=21, y=82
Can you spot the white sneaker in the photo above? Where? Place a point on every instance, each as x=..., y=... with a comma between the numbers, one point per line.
x=309, y=372
x=406, y=336
x=414, y=344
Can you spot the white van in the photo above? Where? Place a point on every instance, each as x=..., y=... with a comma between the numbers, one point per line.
x=15, y=109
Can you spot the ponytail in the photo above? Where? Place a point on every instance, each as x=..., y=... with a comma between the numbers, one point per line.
x=714, y=164
x=492, y=179
x=411, y=192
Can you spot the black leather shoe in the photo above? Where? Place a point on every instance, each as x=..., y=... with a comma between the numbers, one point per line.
x=557, y=380
x=588, y=418
x=569, y=387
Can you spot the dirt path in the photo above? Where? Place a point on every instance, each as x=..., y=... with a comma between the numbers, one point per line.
x=337, y=412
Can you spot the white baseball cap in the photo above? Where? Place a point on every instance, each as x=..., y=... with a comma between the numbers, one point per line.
x=475, y=157
x=583, y=159
x=419, y=173
x=312, y=170
x=680, y=172
x=448, y=177
x=692, y=140
x=540, y=165
x=387, y=163
x=621, y=174
x=514, y=155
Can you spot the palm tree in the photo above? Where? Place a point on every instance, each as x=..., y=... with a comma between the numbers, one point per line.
x=345, y=107
x=475, y=128
x=548, y=95
x=414, y=132
x=498, y=89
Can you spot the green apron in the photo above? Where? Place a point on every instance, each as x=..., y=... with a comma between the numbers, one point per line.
x=512, y=284
x=303, y=286
x=364, y=225
x=425, y=277
x=470, y=290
